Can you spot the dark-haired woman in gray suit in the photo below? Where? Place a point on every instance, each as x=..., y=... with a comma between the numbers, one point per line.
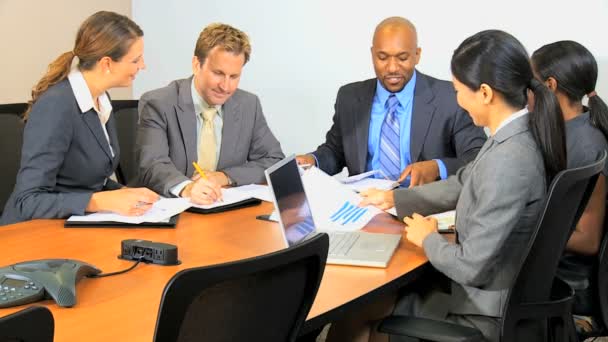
x=70, y=148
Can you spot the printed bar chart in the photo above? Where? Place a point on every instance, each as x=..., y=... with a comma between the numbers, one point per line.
x=348, y=213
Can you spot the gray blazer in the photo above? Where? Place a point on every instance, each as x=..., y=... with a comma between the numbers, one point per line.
x=498, y=198
x=65, y=158
x=440, y=128
x=166, y=138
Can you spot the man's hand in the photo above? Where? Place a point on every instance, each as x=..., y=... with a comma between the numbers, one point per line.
x=378, y=198
x=202, y=191
x=420, y=173
x=306, y=160
x=419, y=227
x=217, y=177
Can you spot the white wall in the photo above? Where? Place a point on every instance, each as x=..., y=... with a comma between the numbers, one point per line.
x=34, y=33
x=304, y=50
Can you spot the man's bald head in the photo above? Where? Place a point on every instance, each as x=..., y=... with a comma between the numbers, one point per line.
x=396, y=24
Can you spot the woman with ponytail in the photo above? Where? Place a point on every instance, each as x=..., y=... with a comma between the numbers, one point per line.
x=570, y=71
x=70, y=148
x=498, y=196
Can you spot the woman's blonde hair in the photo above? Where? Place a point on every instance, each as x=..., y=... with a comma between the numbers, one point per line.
x=102, y=34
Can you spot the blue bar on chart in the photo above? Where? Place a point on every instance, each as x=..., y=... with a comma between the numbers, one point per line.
x=348, y=213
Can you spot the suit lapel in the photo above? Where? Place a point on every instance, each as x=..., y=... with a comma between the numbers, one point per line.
x=91, y=119
x=186, y=118
x=231, y=129
x=422, y=115
x=362, y=114
x=111, y=128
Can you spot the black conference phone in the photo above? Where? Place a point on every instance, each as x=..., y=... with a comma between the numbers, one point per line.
x=31, y=281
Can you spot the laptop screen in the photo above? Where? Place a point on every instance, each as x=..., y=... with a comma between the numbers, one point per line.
x=290, y=200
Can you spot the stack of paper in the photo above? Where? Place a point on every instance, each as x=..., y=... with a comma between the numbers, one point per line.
x=165, y=208
x=366, y=180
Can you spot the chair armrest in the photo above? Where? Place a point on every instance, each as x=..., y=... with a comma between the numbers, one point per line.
x=428, y=329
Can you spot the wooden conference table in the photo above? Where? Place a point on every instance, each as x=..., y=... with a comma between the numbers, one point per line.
x=124, y=307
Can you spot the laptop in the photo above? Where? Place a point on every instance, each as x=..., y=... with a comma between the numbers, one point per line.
x=295, y=217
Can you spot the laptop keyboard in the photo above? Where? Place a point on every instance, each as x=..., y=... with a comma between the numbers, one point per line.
x=341, y=243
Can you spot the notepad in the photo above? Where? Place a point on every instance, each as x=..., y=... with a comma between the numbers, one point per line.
x=161, y=211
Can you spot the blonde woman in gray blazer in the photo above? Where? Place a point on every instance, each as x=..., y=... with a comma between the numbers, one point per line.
x=497, y=197
x=70, y=146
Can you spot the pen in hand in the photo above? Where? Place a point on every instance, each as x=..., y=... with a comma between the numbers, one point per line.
x=204, y=176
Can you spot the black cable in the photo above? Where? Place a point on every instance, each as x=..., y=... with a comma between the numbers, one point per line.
x=117, y=272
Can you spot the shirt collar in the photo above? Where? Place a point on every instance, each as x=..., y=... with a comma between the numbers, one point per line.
x=512, y=117
x=404, y=96
x=84, y=98
x=199, y=102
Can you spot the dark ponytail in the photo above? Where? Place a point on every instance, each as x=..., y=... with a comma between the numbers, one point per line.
x=575, y=70
x=547, y=124
x=598, y=113
x=499, y=60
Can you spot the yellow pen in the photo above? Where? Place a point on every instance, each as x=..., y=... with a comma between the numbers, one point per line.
x=204, y=176
x=199, y=170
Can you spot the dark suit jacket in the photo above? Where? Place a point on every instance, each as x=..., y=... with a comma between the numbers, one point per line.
x=166, y=138
x=440, y=128
x=65, y=158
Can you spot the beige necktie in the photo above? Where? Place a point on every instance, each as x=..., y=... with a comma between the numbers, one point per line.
x=207, y=147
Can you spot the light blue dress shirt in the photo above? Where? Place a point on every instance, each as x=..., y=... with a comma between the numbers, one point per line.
x=404, y=113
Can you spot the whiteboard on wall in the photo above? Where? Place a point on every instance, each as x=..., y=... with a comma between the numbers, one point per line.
x=303, y=51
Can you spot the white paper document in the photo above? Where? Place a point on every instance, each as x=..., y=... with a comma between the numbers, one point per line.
x=445, y=220
x=229, y=196
x=258, y=191
x=366, y=181
x=334, y=206
x=161, y=211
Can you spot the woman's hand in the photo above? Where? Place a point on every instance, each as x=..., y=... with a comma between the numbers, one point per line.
x=419, y=227
x=379, y=198
x=125, y=201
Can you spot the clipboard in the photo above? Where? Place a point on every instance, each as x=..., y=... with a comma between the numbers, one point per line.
x=249, y=202
x=113, y=224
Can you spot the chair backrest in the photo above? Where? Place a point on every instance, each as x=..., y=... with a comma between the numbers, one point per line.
x=601, y=282
x=34, y=324
x=126, y=116
x=11, y=139
x=266, y=298
x=566, y=200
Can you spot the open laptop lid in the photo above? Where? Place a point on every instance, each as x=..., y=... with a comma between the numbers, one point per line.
x=290, y=201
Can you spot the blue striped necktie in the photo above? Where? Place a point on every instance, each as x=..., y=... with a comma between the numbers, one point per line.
x=390, y=154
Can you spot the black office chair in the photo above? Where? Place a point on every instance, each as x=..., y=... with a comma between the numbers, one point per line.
x=34, y=324
x=125, y=113
x=538, y=303
x=266, y=298
x=11, y=139
x=600, y=289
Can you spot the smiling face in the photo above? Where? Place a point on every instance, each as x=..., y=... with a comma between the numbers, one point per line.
x=124, y=70
x=395, y=54
x=217, y=78
x=472, y=102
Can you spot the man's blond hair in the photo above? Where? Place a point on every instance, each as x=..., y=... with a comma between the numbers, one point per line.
x=227, y=37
